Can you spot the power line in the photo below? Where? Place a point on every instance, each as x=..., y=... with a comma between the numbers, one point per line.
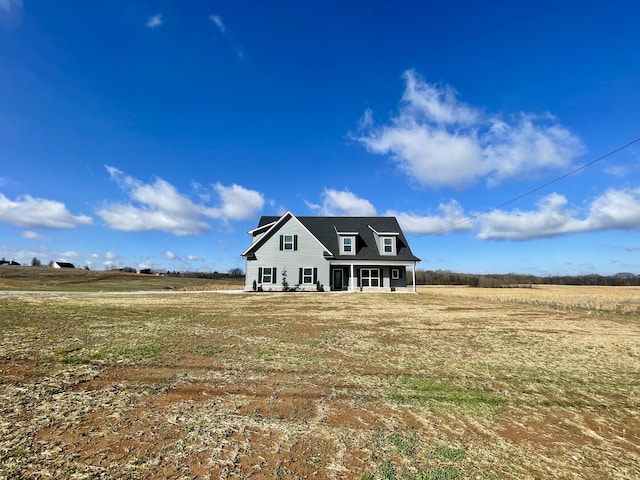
x=529, y=192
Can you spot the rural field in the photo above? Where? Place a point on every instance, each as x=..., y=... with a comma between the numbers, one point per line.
x=451, y=383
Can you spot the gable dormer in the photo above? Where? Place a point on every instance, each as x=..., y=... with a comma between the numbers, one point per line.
x=347, y=242
x=386, y=242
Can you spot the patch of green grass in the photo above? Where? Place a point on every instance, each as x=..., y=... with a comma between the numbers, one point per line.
x=442, y=395
x=267, y=354
x=387, y=471
x=66, y=350
x=444, y=473
x=404, y=446
x=137, y=352
x=75, y=360
x=449, y=453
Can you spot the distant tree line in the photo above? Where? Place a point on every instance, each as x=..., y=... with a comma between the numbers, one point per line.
x=233, y=273
x=447, y=277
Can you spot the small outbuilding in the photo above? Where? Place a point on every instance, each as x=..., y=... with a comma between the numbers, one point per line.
x=62, y=265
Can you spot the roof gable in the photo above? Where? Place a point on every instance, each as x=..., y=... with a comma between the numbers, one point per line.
x=271, y=225
x=326, y=230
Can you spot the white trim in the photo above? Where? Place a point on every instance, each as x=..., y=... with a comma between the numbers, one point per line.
x=415, y=288
x=310, y=282
x=345, y=233
x=352, y=278
x=352, y=244
x=380, y=234
x=274, y=227
x=370, y=277
x=393, y=251
x=286, y=242
x=265, y=226
x=381, y=262
x=271, y=279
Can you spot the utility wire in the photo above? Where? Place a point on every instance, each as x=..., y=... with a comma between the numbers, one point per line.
x=529, y=192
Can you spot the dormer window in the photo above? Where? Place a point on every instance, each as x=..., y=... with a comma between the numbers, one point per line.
x=388, y=246
x=347, y=245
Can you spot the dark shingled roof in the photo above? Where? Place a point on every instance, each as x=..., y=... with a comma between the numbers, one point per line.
x=65, y=265
x=324, y=229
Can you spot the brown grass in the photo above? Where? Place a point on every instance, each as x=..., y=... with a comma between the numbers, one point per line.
x=450, y=383
x=62, y=279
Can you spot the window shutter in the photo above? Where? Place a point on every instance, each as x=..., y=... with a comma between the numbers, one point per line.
x=300, y=276
x=315, y=275
x=260, y=275
x=281, y=242
x=295, y=242
x=273, y=276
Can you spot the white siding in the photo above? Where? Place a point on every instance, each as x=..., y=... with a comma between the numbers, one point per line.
x=308, y=254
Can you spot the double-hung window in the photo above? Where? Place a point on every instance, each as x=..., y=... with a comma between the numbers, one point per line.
x=348, y=245
x=267, y=275
x=388, y=247
x=308, y=275
x=288, y=242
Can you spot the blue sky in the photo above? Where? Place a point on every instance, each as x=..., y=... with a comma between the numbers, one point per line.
x=153, y=134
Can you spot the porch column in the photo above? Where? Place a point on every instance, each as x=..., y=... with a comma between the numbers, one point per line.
x=415, y=290
x=352, y=287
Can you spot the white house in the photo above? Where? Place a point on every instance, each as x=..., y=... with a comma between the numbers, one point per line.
x=328, y=253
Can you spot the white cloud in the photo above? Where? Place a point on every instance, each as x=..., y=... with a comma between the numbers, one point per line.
x=29, y=212
x=194, y=258
x=29, y=235
x=228, y=35
x=218, y=21
x=154, y=21
x=343, y=203
x=439, y=141
x=550, y=219
x=528, y=146
x=109, y=259
x=170, y=255
x=613, y=210
x=451, y=218
x=109, y=255
x=65, y=256
x=238, y=203
x=159, y=206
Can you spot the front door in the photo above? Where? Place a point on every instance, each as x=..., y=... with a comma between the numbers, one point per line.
x=337, y=279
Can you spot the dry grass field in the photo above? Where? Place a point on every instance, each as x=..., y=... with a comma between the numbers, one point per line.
x=452, y=383
x=70, y=280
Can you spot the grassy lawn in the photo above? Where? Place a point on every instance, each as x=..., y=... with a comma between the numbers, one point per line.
x=447, y=384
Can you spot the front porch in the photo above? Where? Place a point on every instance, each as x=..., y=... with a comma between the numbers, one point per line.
x=371, y=277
